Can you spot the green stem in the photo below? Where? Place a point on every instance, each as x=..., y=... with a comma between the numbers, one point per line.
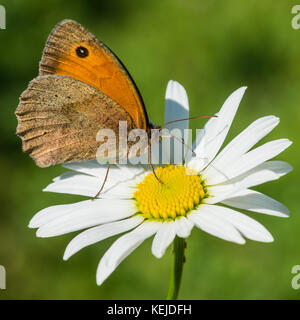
x=176, y=272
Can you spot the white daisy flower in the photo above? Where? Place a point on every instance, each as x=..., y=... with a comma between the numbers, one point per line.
x=133, y=201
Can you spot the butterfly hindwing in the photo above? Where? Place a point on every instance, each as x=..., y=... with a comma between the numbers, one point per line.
x=59, y=117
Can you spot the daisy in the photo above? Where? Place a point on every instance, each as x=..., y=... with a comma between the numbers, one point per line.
x=202, y=194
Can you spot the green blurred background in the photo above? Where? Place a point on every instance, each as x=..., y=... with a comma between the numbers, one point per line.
x=212, y=48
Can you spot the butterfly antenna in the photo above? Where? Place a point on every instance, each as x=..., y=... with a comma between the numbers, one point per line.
x=106, y=175
x=191, y=118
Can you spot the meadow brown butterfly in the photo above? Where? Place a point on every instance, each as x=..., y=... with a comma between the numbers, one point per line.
x=82, y=87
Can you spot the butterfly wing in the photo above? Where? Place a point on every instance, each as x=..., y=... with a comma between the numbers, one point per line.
x=59, y=118
x=73, y=51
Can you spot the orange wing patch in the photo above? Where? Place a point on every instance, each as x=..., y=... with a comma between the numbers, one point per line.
x=72, y=51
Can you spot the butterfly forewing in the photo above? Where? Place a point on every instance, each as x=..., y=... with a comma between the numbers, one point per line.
x=73, y=51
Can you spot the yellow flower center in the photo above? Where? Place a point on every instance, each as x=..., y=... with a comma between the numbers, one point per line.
x=180, y=192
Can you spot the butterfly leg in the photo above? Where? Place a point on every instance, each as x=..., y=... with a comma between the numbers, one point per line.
x=151, y=165
x=105, y=178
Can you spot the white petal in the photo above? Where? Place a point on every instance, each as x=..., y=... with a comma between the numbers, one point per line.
x=48, y=214
x=250, y=228
x=220, y=192
x=255, y=201
x=163, y=238
x=267, y=171
x=216, y=129
x=100, y=233
x=95, y=169
x=131, y=171
x=214, y=175
x=94, y=213
x=206, y=219
x=92, y=168
x=140, y=178
x=183, y=227
x=198, y=159
x=122, y=190
x=85, y=185
x=245, y=140
x=122, y=247
x=74, y=183
x=118, y=172
x=176, y=108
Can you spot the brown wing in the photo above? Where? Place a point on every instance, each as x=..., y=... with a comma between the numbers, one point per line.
x=59, y=117
x=73, y=51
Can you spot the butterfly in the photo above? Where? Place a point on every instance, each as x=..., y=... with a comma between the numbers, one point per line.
x=82, y=87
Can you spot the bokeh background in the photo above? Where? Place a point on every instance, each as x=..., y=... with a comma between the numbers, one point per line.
x=212, y=48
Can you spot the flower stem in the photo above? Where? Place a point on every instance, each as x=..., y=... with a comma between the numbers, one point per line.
x=176, y=272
